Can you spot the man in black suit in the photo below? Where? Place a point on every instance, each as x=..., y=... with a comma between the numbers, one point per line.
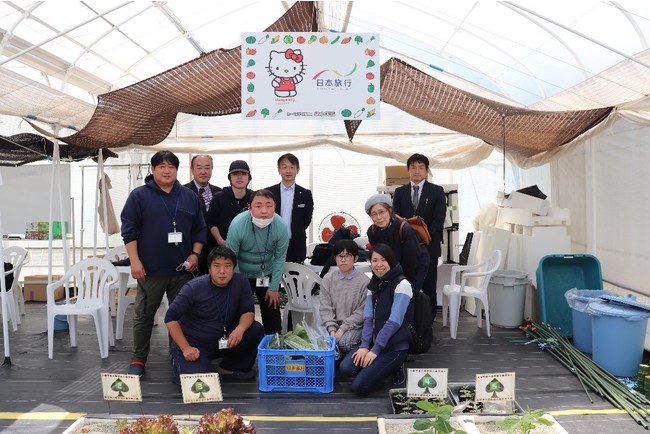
x=201, y=166
x=427, y=200
x=295, y=205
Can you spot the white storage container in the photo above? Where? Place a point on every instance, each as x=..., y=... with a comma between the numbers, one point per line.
x=507, y=297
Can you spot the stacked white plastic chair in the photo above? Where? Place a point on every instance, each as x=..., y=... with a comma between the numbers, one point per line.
x=459, y=288
x=18, y=257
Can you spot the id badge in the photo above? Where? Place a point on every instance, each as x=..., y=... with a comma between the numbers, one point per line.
x=223, y=343
x=175, y=237
x=262, y=282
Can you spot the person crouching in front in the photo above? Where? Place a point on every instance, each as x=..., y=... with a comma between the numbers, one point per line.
x=385, y=336
x=214, y=316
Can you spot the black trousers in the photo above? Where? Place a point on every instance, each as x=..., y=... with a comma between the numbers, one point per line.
x=429, y=287
x=271, y=318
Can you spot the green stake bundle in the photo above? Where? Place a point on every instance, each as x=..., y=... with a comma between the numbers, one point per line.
x=590, y=374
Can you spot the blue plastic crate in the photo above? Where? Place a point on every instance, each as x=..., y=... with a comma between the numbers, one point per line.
x=295, y=370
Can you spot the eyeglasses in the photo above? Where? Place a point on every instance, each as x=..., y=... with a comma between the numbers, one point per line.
x=346, y=256
x=379, y=213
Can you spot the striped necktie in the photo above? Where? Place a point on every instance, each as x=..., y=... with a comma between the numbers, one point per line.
x=414, y=199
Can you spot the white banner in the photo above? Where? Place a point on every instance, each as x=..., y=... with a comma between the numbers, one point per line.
x=310, y=75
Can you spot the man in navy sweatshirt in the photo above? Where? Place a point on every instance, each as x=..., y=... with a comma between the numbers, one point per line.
x=164, y=231
x=213, y=316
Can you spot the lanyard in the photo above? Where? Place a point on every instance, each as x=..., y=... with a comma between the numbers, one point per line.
x=266, y=244
x=178, y=199
x=225, y=310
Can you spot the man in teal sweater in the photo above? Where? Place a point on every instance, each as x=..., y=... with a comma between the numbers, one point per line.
x=259, y=237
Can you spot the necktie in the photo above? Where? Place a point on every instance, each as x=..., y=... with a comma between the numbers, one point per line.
x=202, y=196
x=414, y=199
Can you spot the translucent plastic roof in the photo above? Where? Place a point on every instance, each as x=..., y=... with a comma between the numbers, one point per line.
x=521, y=51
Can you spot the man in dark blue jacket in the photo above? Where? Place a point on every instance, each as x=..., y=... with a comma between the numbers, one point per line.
x=164, y=231
x=214, y=316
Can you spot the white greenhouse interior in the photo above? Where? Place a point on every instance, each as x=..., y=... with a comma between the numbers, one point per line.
x=58, y=58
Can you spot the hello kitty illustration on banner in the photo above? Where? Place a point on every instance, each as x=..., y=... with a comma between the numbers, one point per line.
x=322, y=75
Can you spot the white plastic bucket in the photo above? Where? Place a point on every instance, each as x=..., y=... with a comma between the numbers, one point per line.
x=507, y=297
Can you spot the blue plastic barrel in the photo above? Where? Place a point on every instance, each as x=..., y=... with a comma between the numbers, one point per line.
x=60, y=321
x=618, y=334
x=578, y=299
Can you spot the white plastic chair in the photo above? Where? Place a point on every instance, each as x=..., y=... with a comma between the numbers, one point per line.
x=453, y=292
x=298, y=281
x=18, y=257
x=123, y=299
x=310, y=249
x=92, y=278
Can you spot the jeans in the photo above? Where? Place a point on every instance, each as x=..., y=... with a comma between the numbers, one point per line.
x=369, y=378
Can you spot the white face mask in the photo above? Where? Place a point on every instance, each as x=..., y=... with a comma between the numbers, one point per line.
x=261, y=223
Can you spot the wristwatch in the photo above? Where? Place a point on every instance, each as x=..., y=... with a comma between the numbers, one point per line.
x=198, y=255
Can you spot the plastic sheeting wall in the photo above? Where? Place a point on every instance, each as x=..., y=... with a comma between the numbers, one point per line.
x=606, y=185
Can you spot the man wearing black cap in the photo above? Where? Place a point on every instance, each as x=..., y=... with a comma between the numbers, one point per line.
x=421, y=197
x=229, y=202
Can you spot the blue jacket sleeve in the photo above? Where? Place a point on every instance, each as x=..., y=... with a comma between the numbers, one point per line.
x=181, y=304
x=401, y=300
x=131, y=219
